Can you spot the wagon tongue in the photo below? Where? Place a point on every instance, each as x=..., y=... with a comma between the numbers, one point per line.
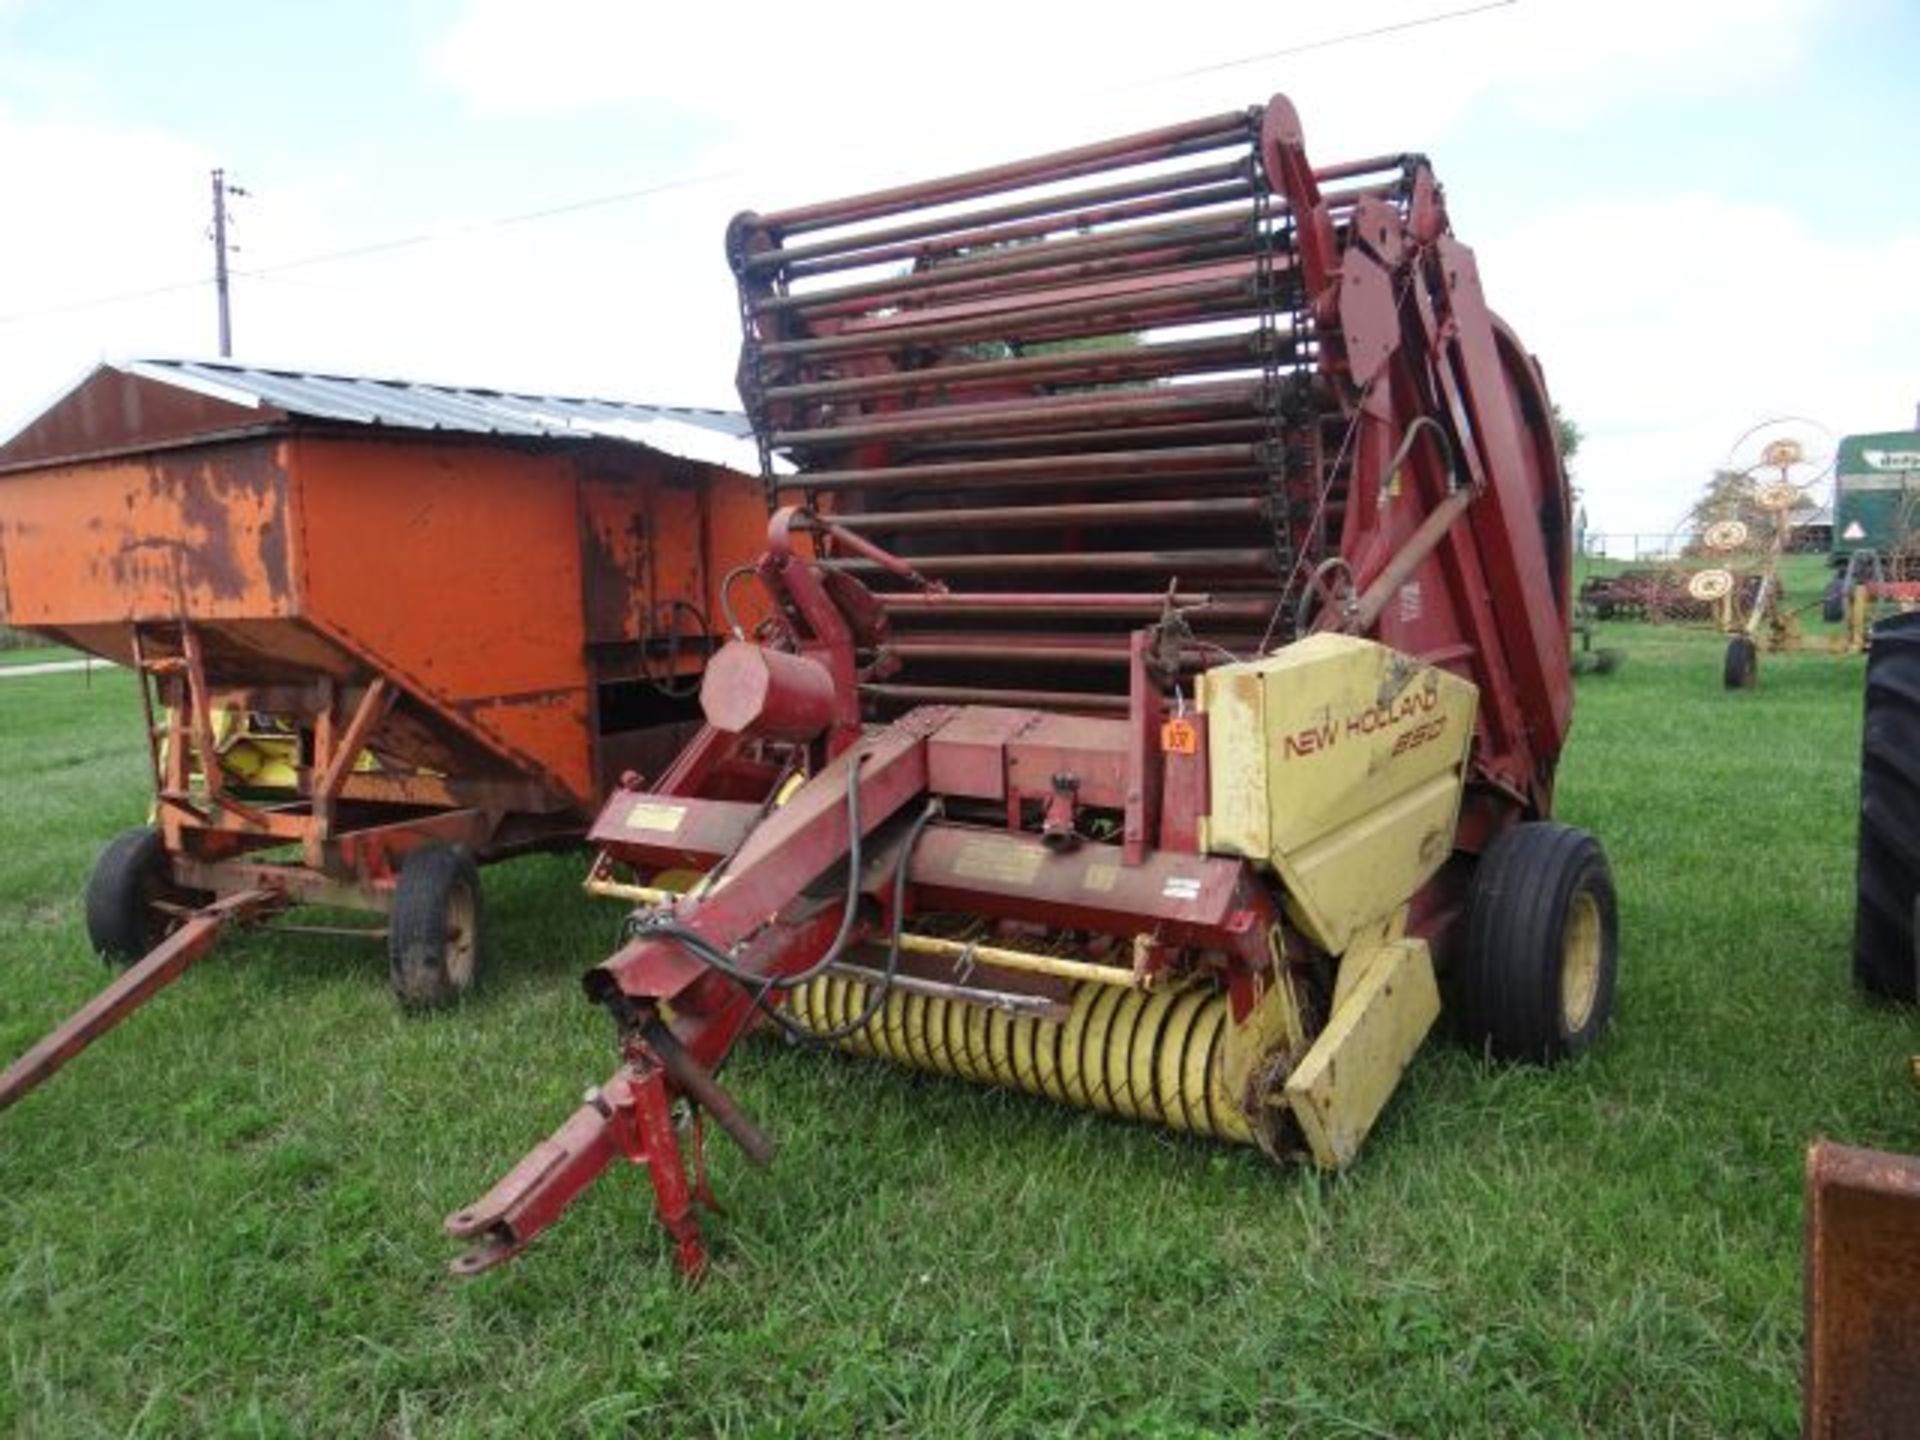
x=136, y=985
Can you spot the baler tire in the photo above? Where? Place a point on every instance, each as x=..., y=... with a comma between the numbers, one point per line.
x=1887, y=877
x=130, y=875
x=435, y=930
x=1743, y=664
x=1542, y=898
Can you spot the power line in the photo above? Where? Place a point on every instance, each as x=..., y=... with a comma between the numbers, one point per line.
x=445, y=233
x=1416, y=23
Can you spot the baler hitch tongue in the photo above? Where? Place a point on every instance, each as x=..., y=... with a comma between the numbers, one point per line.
x=630, y=1117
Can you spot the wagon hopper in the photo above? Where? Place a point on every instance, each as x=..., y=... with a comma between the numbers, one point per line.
x=383, y=632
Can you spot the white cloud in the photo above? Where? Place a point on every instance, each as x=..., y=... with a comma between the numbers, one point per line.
x=1667, y=322
x=1670, y=325
x=100, y=211
x=1004, y=64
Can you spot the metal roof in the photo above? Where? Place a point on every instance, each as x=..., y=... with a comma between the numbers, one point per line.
x=721, y=437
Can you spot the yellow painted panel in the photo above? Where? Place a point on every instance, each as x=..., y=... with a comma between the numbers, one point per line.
x=1338, y=762
x=1345, y=1080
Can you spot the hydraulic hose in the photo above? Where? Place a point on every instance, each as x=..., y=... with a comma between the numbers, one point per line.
x=762, y=986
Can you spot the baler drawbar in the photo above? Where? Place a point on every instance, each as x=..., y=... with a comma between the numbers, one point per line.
x=1167, y=670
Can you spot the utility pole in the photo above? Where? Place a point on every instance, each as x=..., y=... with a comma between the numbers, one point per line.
x=221, y=190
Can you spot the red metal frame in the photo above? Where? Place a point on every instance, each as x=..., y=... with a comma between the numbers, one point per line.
x=1072, y=775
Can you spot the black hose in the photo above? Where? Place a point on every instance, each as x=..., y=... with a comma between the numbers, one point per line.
x=726, y=598
x=885, y=987
x=665, y=927
x=763, y=986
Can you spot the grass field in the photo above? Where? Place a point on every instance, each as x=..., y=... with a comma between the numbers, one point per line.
x=224, y=1220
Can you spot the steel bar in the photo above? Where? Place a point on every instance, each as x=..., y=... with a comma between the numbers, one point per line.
x=1143, y=406
x=1031, y=962
x=932, y=239
x=1043, y=273
x=1212, y=133
x=963, y=242
x=1011, y=650
x=638, y=894
x=1068, y=213
x=1227, y=460
x=988, y=695
x=1056, y=562
x=1366, y=610
x=1038, y=1006
x=1201, y=431
x=1237, y=230
x=1002, y=517
x=698, y=1083
x=1122, y=311
x=1067, y=603
x=131, y=989
x=1162, y=360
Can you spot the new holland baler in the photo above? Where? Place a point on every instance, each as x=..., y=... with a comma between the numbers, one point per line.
x=1167, y=672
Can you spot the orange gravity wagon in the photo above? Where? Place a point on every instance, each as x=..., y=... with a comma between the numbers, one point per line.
x=383, y=632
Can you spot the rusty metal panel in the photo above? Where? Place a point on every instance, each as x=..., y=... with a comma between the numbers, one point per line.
x=202, y=534
x=657, y=539
x=1863, y=1293
x=112, y=411
x=455, y=569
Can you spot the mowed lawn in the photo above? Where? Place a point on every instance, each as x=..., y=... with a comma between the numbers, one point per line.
x=225, y=1218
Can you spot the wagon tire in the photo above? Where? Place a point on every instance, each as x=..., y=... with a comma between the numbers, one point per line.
x=1743, y=663
x=435, y=930
x=128, y=884
x=1536, y=981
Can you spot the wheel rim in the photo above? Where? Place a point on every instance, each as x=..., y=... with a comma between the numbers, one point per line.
x=1580, y=963
x=462, y=927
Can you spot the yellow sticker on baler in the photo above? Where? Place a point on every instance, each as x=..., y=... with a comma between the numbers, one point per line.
x=651, y=815
x=995, y=862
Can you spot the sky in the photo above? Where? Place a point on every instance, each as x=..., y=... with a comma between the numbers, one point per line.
x=1698, y=215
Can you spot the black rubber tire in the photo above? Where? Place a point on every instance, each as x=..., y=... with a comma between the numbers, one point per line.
x=1507, y=990
x=1833, y=600
x=131, y=873
x=1742, y=670
x=435, y=932
x=1887, y=870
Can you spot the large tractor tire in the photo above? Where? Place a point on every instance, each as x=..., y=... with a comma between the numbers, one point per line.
x=435, y=930
x=1887, y=880
x=129, y=883
x=1542, y=947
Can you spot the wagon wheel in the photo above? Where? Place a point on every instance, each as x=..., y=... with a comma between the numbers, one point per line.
x=435, y=931
x=132, y=902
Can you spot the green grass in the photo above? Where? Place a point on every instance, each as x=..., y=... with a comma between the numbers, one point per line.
x=37, y=654
x=224, y=1219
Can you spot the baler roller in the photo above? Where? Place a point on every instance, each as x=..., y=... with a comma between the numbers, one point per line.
x=1153, y=1057
x=1147, y=147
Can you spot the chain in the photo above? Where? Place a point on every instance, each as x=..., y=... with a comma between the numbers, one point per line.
x=755, y=398
x=1271, y=235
